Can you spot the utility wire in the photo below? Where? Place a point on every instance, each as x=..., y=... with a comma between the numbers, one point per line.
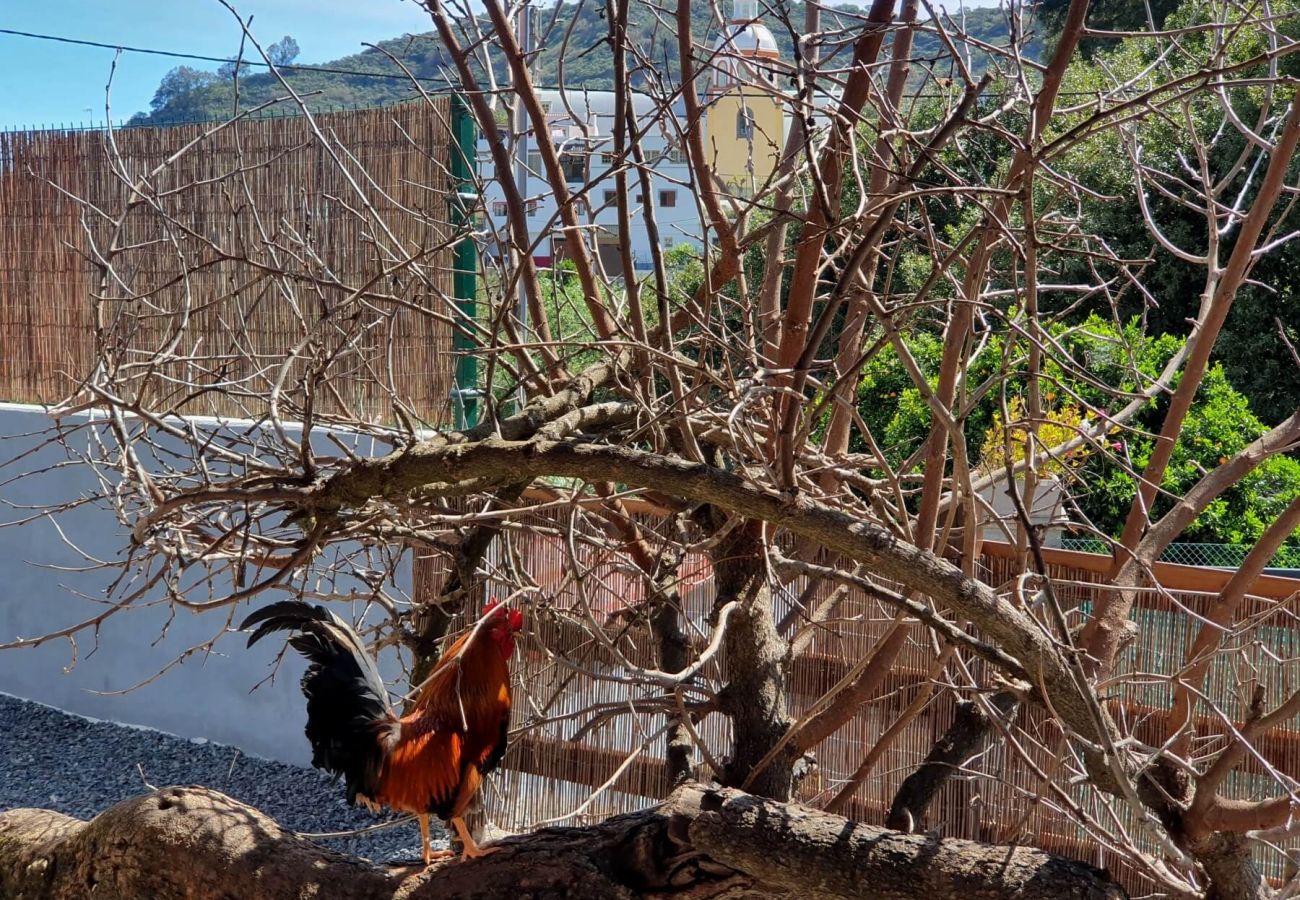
x=328, y=70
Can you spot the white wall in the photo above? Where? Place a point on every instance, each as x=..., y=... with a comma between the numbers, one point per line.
x=206, y=696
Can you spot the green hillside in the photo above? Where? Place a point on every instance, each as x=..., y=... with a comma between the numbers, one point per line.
x=580, y=47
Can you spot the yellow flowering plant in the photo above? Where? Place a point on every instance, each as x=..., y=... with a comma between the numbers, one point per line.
x=1056, y=426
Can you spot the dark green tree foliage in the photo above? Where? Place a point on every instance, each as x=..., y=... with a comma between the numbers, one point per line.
x=209, y=97
x=1107, y=15
x=1110, y=15
x=227, y=71
x=284, y=51
x=1254, y=358
x=1254, y=379
x=578, y=49
x=1253, y=355
x=181, y=92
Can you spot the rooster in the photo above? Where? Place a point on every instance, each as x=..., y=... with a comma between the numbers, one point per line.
x=433, y=758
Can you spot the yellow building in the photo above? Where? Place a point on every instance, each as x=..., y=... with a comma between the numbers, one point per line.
x=744, y=129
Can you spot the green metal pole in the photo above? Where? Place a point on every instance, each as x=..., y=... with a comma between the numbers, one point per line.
x=464, y=285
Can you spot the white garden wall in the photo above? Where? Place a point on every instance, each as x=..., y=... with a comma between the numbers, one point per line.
x=207, y=696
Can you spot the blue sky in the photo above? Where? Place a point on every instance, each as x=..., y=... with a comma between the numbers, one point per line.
x=45, y=83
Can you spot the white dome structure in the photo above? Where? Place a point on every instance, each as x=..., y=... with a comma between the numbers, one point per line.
x=744, y=118
x=743, y=51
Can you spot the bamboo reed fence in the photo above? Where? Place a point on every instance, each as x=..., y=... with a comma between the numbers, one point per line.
x=230, y=249
x=581, y=753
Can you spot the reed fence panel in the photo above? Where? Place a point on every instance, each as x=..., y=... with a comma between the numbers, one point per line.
x=193, y=258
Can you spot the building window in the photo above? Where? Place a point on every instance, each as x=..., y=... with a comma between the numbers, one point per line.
x=574, y=166
x=610, y=198
x=535, y=162
x=640, y=198
x=607, y=160
x=580, y=206
x=499, y=208
x=744, y=125
x=677, y=155
x=533, y=206
x=668, y=198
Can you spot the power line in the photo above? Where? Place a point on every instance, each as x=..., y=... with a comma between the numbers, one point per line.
x=328, y=70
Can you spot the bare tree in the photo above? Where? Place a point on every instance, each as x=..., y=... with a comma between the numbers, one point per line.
x=910, y=197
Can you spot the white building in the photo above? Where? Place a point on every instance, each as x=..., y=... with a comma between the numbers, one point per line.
x=745, y=130
x=580, y=124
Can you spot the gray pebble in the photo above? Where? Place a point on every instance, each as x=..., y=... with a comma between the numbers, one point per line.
x=52, y=760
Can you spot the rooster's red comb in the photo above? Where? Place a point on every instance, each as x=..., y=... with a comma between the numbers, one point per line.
x=513, y=617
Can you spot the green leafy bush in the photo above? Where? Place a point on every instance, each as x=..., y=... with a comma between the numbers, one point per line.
x=1219, y=425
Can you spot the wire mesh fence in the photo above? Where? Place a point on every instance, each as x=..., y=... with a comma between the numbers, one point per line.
x=1217, y=556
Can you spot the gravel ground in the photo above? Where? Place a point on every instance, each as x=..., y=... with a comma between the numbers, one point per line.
x=53, y=760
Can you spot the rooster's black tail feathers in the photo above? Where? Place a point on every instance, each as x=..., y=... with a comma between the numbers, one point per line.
x=349, y=719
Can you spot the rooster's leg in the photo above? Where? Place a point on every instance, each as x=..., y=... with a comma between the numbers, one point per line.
x=471, y=850
x=469, y=784
x=426, y=850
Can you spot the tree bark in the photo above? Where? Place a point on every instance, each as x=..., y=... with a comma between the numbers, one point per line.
x=674, y=656
x=183, y=842
x=1229, y=867
x=969, y=733
x=755, y=692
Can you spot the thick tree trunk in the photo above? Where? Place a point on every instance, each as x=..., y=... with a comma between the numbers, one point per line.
x=755, y=692
x=186, y=842
x=969, y=734
x=674, y=656
x=1230, y=868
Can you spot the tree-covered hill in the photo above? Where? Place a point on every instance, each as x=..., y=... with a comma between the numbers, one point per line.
x=574, y=49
